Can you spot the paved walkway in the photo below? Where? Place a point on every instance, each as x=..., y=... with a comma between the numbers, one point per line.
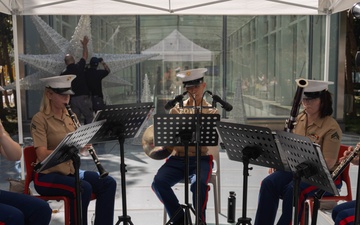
x=143, y=206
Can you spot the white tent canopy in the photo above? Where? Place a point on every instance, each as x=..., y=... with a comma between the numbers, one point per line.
x=184, y=7
x=178, y=48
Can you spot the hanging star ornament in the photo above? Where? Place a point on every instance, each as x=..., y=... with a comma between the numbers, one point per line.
x=52, y=64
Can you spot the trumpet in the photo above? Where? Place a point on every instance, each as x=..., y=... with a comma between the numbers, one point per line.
x=102, y=171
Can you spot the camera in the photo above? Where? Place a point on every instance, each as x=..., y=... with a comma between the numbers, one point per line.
x=100, y=60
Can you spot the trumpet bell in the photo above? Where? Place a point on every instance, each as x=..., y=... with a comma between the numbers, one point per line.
x=154, y=152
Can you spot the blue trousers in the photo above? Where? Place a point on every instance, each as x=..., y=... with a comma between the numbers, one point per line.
x=20, y=209
x=344, y=214
x=171, y=173
x=276, y=186
x=104, y=189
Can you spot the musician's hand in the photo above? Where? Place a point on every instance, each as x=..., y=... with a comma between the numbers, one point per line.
x=85, y=150
x=355, y=161
x=346, y=153
x=271, y=170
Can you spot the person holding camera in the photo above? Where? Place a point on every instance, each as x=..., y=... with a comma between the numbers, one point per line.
x=94, y=77
x=80, y=102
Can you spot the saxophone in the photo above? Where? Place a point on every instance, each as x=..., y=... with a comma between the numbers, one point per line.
x=102, y=171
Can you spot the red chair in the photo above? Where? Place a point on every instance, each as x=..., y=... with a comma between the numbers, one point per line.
x=345, y=177
x=30, y=160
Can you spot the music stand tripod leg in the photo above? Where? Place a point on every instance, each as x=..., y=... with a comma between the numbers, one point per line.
x=245, y=220
x=76, y=162
x=296, y=198
x=247, y=153
x=124, y=218
x=187, y=206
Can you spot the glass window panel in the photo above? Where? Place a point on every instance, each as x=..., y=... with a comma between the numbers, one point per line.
x=181, y=42
x=264, y=55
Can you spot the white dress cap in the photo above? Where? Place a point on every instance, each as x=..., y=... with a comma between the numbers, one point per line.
x=317, y=85
x=60, y=84
x=314, y=88
x=192, y=77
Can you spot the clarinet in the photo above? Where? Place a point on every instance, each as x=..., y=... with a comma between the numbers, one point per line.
x=102, y=171
x=301, y=84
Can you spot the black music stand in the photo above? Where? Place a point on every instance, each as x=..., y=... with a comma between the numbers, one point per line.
x=69, y=149
x=263, y=147
x=304, y=156
x=250, y=144
x=180, y=130
x=122, y=121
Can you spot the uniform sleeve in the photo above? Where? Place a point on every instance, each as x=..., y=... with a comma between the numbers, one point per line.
x=38, y=131
x=104, y=73
x=331, y=144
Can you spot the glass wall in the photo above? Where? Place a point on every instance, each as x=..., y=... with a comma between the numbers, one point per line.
x=180, y=43
x=267, y=54
x=252, y=61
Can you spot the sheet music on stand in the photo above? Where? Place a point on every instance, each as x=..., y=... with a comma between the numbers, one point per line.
x=78, y=139
x=168, y=129
x=125, y=119
x=300, y=149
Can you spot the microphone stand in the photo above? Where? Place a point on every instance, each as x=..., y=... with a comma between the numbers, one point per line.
x=198, y=158
x=197, y=112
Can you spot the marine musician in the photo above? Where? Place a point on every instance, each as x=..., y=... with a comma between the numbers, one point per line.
x=172, y=171
x=315, y=122
x=49, y=126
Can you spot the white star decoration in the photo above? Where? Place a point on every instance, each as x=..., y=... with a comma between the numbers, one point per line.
x=53, y=63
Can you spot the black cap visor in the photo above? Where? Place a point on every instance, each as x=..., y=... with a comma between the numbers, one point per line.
x=193, y=82
x=62, y=91
x=312, y=95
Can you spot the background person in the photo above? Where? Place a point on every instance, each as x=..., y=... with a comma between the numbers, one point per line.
x=80, y=101
x=94, y=77
x=172, y=172
x=15, y=208
x=344, y=214
x=48, y=127
x=316, y=123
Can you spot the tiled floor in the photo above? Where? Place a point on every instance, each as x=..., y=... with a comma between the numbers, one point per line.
x=143, y=207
